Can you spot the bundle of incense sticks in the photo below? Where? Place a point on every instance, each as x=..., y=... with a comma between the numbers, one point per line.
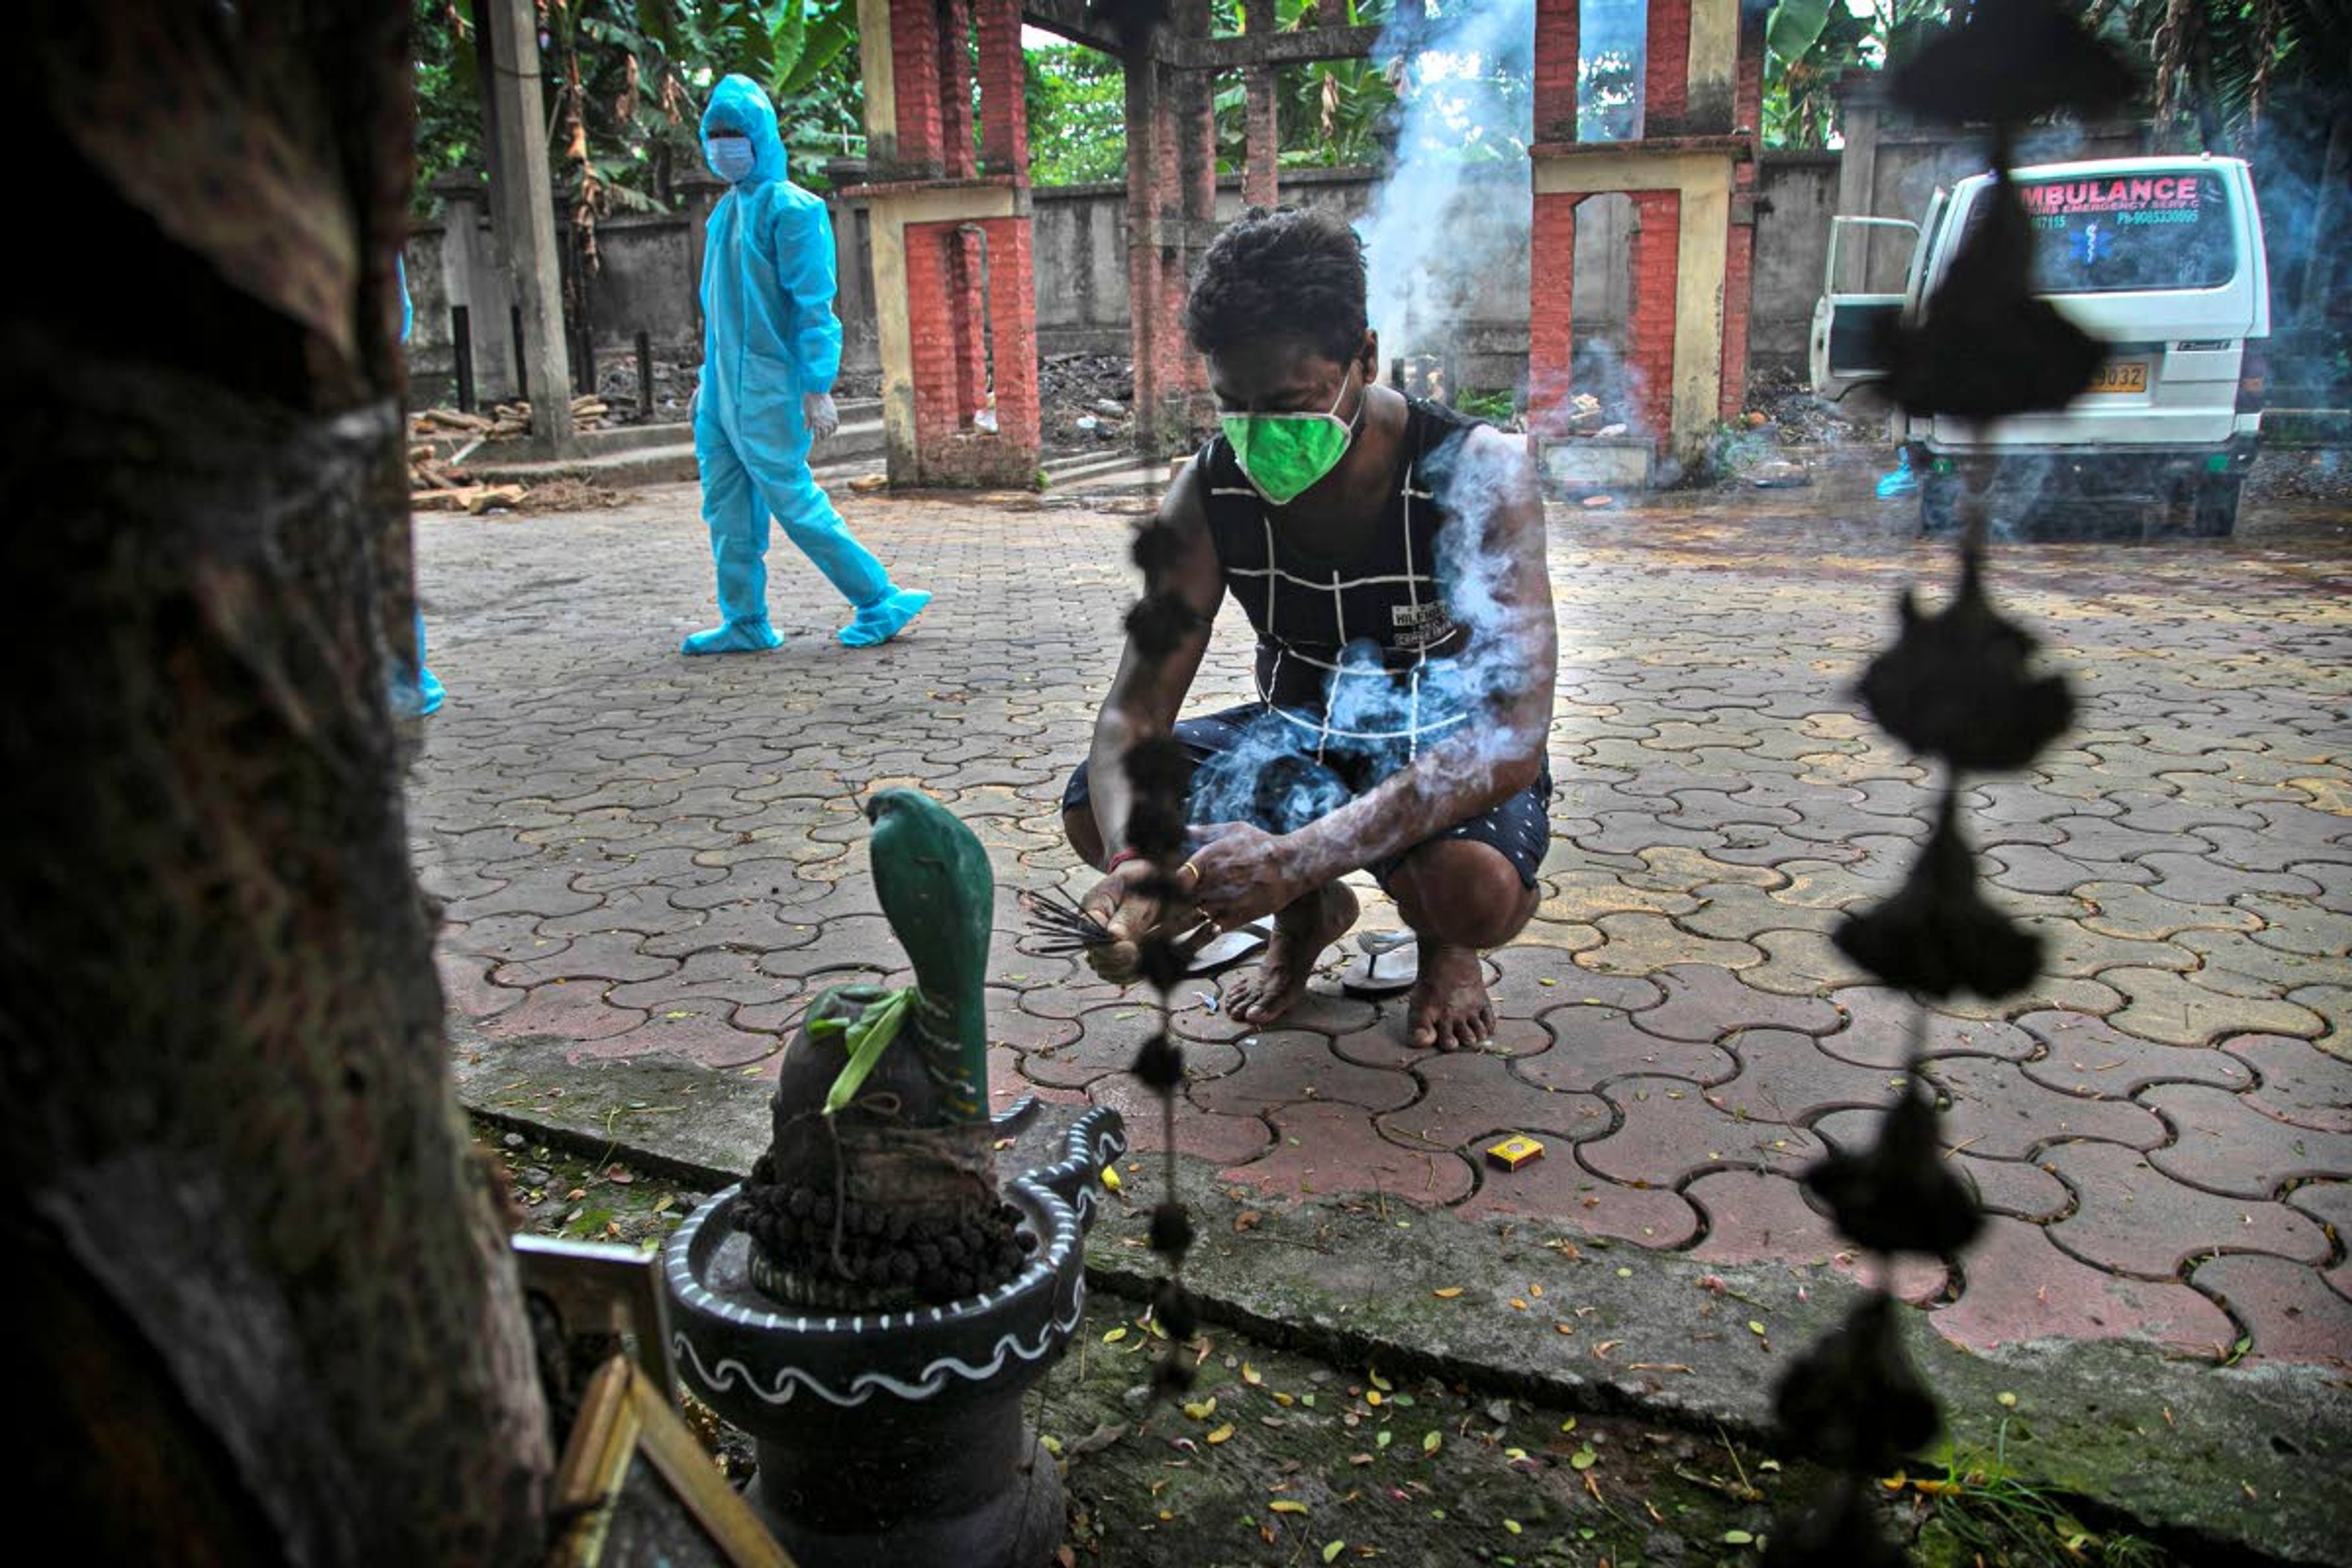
x=1069, y=931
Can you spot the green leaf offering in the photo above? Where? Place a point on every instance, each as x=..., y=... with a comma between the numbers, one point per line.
x=870, y=1034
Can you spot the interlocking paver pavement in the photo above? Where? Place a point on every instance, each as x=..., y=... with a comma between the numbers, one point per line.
x=640, y=855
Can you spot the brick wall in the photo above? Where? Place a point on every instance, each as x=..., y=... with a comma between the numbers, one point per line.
x=1556, y=44
x=1665, y=85
x=1551, y=310
x=1650, y=337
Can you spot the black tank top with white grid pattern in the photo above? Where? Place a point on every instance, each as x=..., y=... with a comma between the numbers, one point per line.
x=1378, y=615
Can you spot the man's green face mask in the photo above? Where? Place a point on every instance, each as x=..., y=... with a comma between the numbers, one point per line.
x=1283, y=455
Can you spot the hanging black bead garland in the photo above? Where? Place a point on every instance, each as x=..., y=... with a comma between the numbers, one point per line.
x=1159, y=776
x=1957, y=686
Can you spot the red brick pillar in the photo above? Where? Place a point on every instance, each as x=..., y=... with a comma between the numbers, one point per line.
x=957, y=155
x=932, y=329
x=1261, y=179
x=1144, y=179
x=1551, y=314
x=1666, y=82
x=914, y=76
x=969, y=261
x=1193, y=122
x=1261, y=175
x=1003, y=113
x=1747, y=79
x=1740, y=269
x=1162, y=188
x=1656, y=247
x=1738, y=290
x=1557, y=50
x=1013, y=328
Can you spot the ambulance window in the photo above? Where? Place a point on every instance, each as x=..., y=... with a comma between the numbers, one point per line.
x=2117, y=234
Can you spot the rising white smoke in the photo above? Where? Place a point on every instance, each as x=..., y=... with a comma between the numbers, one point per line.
x=1456, y=209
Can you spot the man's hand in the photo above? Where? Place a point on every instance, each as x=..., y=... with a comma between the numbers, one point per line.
x=1119, y=902
x=822, y=417
x=1244, y=872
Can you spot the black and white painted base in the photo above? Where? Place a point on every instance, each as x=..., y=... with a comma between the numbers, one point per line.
x=897, y=1437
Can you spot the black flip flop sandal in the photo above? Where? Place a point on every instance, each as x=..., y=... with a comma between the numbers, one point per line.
x=1224, y=950
x=1389, y=962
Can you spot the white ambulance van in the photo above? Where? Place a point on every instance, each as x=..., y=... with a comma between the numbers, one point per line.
x=2162, y=259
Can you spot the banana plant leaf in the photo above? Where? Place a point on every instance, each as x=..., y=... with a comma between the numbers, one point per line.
x=870, y=1034
x=1794, y=24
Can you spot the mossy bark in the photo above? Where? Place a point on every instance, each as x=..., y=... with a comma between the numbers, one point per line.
x=276, y=1318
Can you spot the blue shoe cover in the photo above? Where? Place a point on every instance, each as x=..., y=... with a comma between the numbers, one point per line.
x=879, y=623
x=429, y=692
x=735, y=636
x=1901, y=483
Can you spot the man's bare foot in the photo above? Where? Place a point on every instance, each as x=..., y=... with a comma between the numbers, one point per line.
x=1301, y=932
x=1450, y=1010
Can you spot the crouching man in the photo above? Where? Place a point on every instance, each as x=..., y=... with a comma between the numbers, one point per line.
x=1390, y=554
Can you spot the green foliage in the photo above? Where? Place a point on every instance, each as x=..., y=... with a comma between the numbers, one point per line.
x=1978, y=1511
x=1078, y=115
x=1811, y=44
x=2217, y=63
x=1795, y=24
x=448, y=89
x=1800, y=86
x=1495, y=407
x=641, y=70
x=1331, y=113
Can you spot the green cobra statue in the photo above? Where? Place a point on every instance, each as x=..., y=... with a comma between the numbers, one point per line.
x=879, y=1183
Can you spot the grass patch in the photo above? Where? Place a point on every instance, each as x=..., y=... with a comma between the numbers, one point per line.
x=1977, y=1513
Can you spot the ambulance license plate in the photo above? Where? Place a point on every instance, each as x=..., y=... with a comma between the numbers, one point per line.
x=2120, y=375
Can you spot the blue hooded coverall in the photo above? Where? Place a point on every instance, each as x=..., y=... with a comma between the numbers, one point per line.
x=414, y=699
x=770, y=338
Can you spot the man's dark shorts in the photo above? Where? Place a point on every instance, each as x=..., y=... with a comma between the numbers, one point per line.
x=1251, y=765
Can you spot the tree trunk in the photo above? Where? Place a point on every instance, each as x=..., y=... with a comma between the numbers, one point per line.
x=267, y=1313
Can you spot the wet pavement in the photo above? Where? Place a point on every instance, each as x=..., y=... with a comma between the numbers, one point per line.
x=650, y=859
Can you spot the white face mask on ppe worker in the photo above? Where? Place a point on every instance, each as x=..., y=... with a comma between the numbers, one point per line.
x=731, y=158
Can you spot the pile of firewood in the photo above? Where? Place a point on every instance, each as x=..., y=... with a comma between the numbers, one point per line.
x=437, y=483
x=426, y=423
x=511, y=419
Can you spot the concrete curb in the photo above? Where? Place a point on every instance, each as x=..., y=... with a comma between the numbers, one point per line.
x=2231, y=1465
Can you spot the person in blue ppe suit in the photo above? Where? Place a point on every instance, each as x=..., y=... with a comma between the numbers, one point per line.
x=1901, y=481
x=771, y=348
x=414, y=699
